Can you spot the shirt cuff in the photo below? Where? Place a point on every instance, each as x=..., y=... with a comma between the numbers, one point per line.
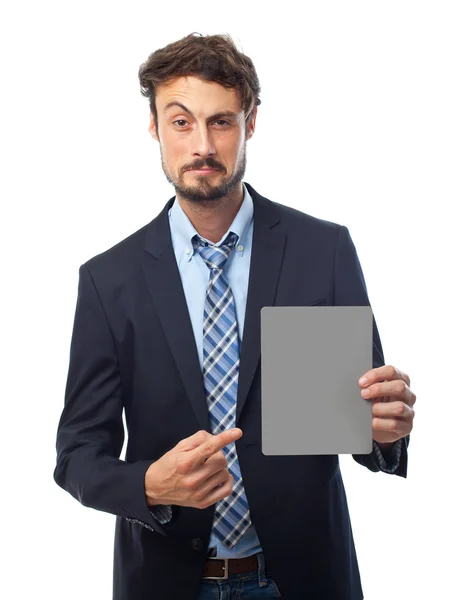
x=389, y=460
x=161, y=512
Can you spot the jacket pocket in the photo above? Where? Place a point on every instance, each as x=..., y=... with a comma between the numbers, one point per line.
x=320, y=302
x=335, y=474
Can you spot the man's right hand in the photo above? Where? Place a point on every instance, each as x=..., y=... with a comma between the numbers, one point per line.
x=194, y=473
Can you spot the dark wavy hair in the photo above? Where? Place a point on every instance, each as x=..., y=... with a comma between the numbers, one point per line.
x=211, y=58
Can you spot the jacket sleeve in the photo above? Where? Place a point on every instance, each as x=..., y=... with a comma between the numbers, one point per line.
x=90, y=433
x=350, y=290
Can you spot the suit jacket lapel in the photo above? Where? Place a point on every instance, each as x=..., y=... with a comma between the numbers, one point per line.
x=165, y=285
x=267, y=253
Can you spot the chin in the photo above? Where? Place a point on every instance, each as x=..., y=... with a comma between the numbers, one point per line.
x=204, y=191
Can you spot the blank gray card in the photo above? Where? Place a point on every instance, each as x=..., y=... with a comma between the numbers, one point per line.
x=311, y=360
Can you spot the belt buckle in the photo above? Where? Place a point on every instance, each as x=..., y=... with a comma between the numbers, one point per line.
x=225, y=567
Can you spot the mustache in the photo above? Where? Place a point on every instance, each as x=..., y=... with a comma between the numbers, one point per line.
x=208, y=164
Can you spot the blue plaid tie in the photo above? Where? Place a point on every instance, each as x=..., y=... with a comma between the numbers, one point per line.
x=221, y=358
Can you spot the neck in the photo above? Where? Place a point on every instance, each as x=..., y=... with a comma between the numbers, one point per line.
x=213, y=218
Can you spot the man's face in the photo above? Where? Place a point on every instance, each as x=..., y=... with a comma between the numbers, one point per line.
x=201, y=124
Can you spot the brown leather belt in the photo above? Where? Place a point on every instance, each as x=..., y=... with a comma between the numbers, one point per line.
x=221, y=568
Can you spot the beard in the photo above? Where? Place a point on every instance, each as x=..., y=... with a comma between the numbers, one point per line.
x=203, y=192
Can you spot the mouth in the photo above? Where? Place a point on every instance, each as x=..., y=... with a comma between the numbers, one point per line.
x=203, y=171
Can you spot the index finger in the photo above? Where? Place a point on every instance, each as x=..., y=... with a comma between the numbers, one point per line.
x=383, y=373
x=214, y=444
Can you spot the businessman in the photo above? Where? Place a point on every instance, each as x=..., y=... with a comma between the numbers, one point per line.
x=167, y=331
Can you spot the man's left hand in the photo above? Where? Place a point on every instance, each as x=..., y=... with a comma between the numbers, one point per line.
x=393, y=400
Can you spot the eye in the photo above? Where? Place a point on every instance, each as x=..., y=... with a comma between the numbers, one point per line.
x=221, y=122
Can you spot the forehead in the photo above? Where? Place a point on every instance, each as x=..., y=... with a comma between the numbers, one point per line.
x=197, y=95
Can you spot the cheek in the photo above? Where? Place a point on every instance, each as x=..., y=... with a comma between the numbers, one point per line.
x=171, y=143
x=231, y=153
x=174, y=153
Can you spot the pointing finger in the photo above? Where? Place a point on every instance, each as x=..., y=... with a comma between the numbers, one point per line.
x=214, y=444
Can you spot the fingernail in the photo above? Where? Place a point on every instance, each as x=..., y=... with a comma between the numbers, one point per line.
x=363, y=381
x=366, y=393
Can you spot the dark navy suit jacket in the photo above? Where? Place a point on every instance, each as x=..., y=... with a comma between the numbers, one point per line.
x=133, y=349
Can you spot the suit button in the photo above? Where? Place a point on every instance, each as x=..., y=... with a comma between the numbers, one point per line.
x=197, y=544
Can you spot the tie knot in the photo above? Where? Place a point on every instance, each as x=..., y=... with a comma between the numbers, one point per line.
x=215, y=256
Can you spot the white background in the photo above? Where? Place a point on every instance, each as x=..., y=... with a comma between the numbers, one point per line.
x=361, y=123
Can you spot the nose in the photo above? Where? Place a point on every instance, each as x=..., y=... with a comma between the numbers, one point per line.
x=202, y=142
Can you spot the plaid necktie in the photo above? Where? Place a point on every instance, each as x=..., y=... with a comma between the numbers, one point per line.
x=221, y=357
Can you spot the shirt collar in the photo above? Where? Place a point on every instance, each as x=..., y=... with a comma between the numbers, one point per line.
x=186, y=231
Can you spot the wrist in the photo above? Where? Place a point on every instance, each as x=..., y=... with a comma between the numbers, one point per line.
x=151, y=493
x=385, y=445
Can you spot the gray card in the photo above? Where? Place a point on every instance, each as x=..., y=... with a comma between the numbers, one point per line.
x=311, y=360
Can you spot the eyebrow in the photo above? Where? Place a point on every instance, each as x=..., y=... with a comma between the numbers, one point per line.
x=219, y=115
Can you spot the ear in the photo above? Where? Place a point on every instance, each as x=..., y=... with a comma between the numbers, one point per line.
x=251, y=124
x=152, y=128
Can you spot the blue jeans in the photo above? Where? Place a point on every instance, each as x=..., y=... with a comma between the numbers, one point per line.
x=256, y=585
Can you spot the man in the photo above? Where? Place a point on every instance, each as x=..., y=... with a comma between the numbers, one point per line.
x=167, y=329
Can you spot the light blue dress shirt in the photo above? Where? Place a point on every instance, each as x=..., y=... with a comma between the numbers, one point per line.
x=195, y=274
x=195, y=277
